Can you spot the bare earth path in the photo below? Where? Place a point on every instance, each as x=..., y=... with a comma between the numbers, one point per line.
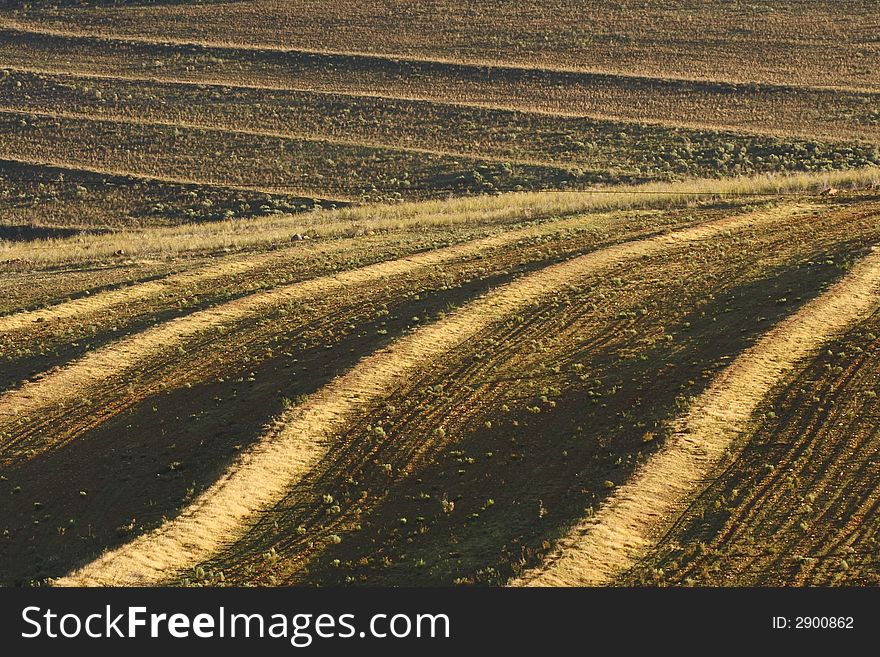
x=603, y=546
x=303, y=435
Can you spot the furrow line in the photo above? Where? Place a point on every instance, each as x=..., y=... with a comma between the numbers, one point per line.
x=636, y=516
x=302, y=436
x=92, y=376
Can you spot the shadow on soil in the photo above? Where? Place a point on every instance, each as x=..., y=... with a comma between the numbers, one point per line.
x=543, y=476
x=125, y=476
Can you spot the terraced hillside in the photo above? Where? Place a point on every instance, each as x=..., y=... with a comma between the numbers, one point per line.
x=255, y=107
x=539, y=293
x=823, y=43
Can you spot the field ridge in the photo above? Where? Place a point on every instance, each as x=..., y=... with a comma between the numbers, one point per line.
x=282, y=456
x=629, y=523
x=293, y=136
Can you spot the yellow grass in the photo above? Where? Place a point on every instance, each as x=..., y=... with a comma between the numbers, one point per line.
x=176, y=241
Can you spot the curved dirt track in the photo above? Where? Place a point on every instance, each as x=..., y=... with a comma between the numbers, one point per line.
x=632, y=520
x=798, y=506
x=84, y=378
x=303, y=435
